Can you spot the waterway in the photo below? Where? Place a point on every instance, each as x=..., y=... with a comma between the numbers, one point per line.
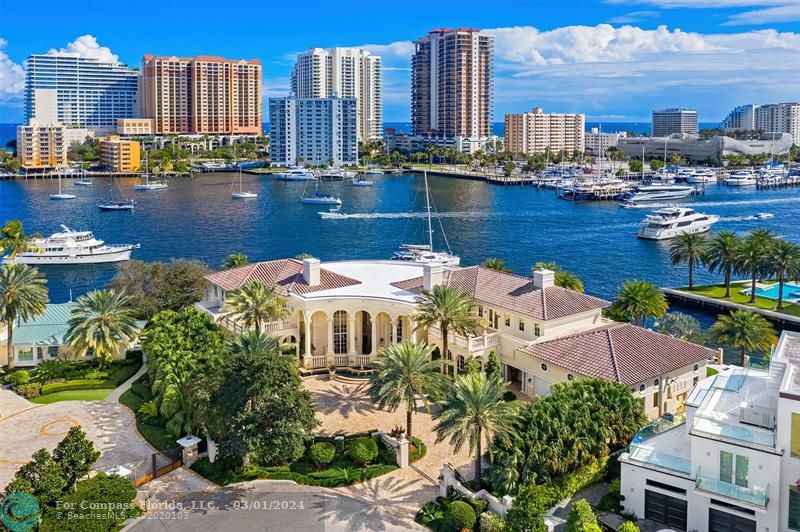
x=196, y=218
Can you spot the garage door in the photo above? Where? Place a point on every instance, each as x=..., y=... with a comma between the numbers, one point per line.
x=719, y=521
x=665, y=509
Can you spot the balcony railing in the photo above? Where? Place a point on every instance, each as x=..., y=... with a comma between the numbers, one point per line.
x=734, y=430
x=753, y=495
x=471, y=344
x=648, y=455
x=271, y=328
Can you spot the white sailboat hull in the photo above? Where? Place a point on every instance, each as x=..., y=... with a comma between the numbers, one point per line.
x=62, y=196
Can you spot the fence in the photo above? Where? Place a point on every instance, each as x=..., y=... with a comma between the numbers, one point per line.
x=157, y=465
x=451, y=478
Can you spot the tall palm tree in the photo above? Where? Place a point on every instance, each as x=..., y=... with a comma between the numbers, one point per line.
x=13, y=239
x=474, y=409
x=448, y=308
x=752, y=254
x=639, y=301
x=23, y=296
x=562, y=277
x=255, y=303
x=783, y=261
x=497, y=264
x=101, y=321
x=746, y=330
x=234, y=260
x=254, y=343
x=688, y=248
x=721, y=256
x=404, y=373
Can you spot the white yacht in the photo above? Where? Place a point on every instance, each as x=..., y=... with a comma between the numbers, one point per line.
x=658, y=193
x=701, y=176
x=295, y=173
x=374, y=171
x=72, y=247
x=741, y=178
x=673, y=221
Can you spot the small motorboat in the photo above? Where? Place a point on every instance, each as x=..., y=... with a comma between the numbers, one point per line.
x=764, y=216
x=84, y=183
x=333, y=214
x=116, y=205
x=363, y=182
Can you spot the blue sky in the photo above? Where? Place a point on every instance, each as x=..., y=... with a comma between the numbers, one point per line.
x=614, y=60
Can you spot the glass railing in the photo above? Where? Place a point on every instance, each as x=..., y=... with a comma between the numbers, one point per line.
x=647, y=455
x=754, y=495
x=734, y=431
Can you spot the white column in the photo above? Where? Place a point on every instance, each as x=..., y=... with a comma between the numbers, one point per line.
x=351, y=334
x=374, y=342
x=393, y=332
x=329, y=347
x=308, y=335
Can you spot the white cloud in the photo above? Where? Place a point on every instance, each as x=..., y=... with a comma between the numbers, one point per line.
x=12, y=77
x=87, y=46
x=765, y=16
x=702, y=4
x=398, y=50
x=634, y=16
x=767, y=11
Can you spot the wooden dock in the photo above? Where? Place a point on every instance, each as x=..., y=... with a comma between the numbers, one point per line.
x=784, y=321
x=88, y=173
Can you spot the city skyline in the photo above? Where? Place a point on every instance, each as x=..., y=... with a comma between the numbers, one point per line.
x=614, y=61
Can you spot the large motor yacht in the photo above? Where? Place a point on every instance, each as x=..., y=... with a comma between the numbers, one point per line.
x=295, y=173
x=673, y=221
x=72, y=247
x=701, y=176
x=658, y=193
x=741, y=178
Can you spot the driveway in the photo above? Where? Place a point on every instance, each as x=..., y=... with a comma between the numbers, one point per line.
x=27, y=427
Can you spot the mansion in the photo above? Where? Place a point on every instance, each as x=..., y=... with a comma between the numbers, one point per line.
x=342, y=313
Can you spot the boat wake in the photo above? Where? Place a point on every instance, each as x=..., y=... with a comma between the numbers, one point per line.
x=768, y=201
x=394, y=215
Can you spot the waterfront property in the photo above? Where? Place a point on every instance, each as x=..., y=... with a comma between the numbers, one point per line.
x=342, y=313
x=668, y=122
x=118, y=155
x=732, y=462
x=540, y=132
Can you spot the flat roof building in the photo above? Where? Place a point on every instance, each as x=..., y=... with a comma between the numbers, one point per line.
x=119, y=155
x=42, y=146
x=540, y=132
x=674, y=121
x=767, y=118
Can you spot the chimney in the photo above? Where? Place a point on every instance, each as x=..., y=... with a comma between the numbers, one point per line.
x=311, y=271
x=433, y=276
x=543, y=278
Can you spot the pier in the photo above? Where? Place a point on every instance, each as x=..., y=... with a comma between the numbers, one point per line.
x=778, y=182
x=87, y=173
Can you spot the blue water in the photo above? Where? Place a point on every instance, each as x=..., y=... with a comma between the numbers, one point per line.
x=197, y=219
x=790, y=292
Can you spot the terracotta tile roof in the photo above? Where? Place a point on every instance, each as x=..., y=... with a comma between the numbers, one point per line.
x=513, y=292
x=620, y=352
x=285, y=274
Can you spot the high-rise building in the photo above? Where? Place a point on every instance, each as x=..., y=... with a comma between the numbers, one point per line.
x=41, y=145
x=89, y=93
x=596, y=142
x=202, y=95
x=540, y=132
x=451, y=83
x=768, y=118
x=119, y=155
x=668, y=122
x=347, y=73
x=317, y=131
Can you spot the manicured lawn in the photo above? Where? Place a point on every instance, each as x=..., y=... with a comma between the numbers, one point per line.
x=72, y=395
x=155, y=434
x=717, y=291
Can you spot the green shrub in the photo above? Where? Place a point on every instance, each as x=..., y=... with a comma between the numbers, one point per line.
x=417, y=451
x=322, y=454
x=124, y=373
x=491, y=522
x=47, y=370
x=29, y=391
x=569, y=484
x=148, y=410
x=627, y=526
x=509, y=396
x=460, y=515
x=17, y=378
x=527, y=512
x=362, y=450
x=479, y=505
x=101, y=489
x=581, y=517
x=427, y=513
x=81, y=384
x=615, y=488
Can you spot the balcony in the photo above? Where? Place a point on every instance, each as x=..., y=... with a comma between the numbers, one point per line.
x=272, y=328
x=755, y=495
x=663, y=444
x=475, y=342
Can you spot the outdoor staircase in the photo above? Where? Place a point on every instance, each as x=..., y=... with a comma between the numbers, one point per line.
x=349, y=380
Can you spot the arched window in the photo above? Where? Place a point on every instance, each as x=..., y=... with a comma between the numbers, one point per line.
x=340, y=332
x=398, y=337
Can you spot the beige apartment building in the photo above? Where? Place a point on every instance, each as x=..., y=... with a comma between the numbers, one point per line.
x=540, y=132
x=120, y=155
x=451, y=83
x=203, y=95
x=41, y=146
x=133, y=127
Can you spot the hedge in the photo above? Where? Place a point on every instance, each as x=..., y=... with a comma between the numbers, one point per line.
x=567, y=485
x=124, y=373
x=81, y=384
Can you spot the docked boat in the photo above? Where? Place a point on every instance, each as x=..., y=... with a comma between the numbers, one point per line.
x=242, y=194
x=374, y=171
x=332, y=174
x=362, y=182
x=741, y=178
x=673, y=221
x=72, y=247
x=644, y=193
x=295, y=173
x=701, y=176
x=597, y=189
x=126, y=205
x=61, y=194
x=334, y=213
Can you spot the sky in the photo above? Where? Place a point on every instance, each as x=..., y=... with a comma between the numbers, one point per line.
x=614, y=60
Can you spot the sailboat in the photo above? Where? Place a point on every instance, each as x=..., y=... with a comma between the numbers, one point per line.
x=148, y=184
x=320, y=198
x=424, y=252
x=242, y=194
x=61, y=195
x=115, y=205
x=84, y=181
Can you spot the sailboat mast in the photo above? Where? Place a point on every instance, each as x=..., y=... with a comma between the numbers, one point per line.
x=428, y=208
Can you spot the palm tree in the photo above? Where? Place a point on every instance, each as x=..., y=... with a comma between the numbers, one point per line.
x=254, y=343
x=101, y=321
x=751, y=255
x=234, y=260
x=562, y=277
x=448, y=308
x=783, y=261
x=255, y=303
x=404, y=373
x=639, y=301
x=746, y=330
x=721, y=256
x=688, y=248
x=497, y=264
x=474, y=409
x=23, y=296
x=13, y=239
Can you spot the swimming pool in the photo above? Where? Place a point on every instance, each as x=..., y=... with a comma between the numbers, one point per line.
x=790, y=292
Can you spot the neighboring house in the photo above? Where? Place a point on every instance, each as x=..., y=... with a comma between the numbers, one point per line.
x=41, y=338
x=733, y=463
x=542, y=333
